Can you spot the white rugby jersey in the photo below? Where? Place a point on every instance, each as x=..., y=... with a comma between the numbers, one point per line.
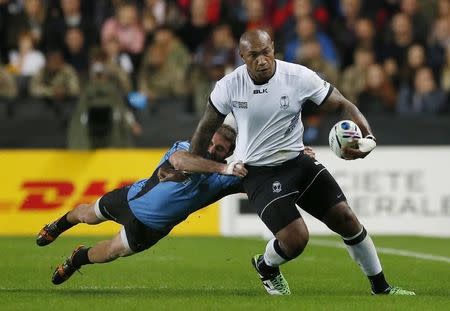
x=268, y=116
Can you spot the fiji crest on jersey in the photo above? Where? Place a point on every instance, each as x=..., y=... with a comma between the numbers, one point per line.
x=284, y=102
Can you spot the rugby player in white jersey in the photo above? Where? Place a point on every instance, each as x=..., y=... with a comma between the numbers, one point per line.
x=266, y=97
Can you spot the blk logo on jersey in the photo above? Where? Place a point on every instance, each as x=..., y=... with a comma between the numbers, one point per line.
x=276, y=187
x=261, y=91
x=284, y=102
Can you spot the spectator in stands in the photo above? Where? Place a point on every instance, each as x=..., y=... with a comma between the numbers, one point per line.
x=379, y=11
x=70, y=17
x=438, y=40
x=102, y=10
x=379, y=94
x=445, y=75
x=429, y=9
x=158, y=13
x=353, y=80
x=443, y=8
x=402, y=38
x=72, y=14
x=424, y=97
x=256, y=16
x=57, y=84
x=366, y=37
x=113, y=70
x=163, y=72
x=445, y=79
x=3, y=26
x=310, y=55
x=343, y=29
x=416, y=59
x=8, y=91
x=198, y=28
x=285, y=20
x=149, y=25
x=101, y=118
x=125, y=26
x=32, y=20
x=76, y=51
x=115, y=56
x=421, y=23
x=213, y=59
x=157, y=9
x=25, y=62
x=306, y=30
x=173, y=16
x=213, y=8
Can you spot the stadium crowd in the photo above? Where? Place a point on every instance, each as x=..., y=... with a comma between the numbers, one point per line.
x=389, y=57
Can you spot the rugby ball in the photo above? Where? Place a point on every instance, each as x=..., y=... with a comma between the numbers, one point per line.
x=344, y=134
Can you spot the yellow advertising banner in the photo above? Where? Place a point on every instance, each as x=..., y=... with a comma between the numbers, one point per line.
x=40, y=186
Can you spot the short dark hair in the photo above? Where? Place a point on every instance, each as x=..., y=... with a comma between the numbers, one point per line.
x=229, y=133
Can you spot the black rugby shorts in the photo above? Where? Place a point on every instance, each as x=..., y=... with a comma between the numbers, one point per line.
x=274, y=191
x=114, y=206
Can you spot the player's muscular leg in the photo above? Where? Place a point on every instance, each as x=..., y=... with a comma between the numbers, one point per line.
x=341, y=219
x=83, y=213
x=109, y=250
x=293, y=238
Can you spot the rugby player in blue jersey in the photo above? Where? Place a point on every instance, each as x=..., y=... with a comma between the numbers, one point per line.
x=149, y=208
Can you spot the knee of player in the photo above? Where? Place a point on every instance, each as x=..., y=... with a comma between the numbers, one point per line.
x=84, y=212
x=343, y=215
x=295, y=245
x=125, y=253
x=348, y=217
x=115, y=251
x=301, y=245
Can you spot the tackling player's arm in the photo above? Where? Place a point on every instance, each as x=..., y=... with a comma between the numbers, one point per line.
x=335, y=101
x=185, y=161
x=206, y=128
x=168, y=173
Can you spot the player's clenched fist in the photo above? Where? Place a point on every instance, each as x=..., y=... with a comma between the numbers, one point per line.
x=235, y=168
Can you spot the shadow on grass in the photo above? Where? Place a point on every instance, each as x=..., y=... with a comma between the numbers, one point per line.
x=132, y=292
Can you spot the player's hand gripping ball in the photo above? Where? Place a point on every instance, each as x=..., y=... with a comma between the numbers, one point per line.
x=344, y=134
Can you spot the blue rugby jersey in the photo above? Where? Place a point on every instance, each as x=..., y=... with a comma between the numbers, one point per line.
x=160, y=205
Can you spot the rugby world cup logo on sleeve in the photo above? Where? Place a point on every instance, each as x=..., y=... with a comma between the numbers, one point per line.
x=239, y=104
x=276, y=187
x=284, y=102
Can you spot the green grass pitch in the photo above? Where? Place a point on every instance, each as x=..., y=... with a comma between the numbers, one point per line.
x=208, y=273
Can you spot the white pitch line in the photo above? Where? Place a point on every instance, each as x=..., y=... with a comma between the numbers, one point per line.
x=386, y=250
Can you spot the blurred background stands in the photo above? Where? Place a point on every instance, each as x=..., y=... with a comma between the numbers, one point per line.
x=163, y=57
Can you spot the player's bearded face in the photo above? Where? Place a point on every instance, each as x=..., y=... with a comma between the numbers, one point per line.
x=218, y=148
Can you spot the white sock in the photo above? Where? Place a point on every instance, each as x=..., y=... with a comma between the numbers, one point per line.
x=274, y=256
x=362, y=250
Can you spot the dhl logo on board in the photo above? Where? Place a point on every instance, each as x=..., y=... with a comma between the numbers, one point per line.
x=39, y=186
x=37, y=193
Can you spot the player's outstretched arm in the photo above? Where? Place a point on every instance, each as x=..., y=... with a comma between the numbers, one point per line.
x=206, y=128
x=186, y=161
x=335, y=101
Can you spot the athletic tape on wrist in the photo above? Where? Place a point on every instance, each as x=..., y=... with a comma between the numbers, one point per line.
x=230, y=168
x=366, y=144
